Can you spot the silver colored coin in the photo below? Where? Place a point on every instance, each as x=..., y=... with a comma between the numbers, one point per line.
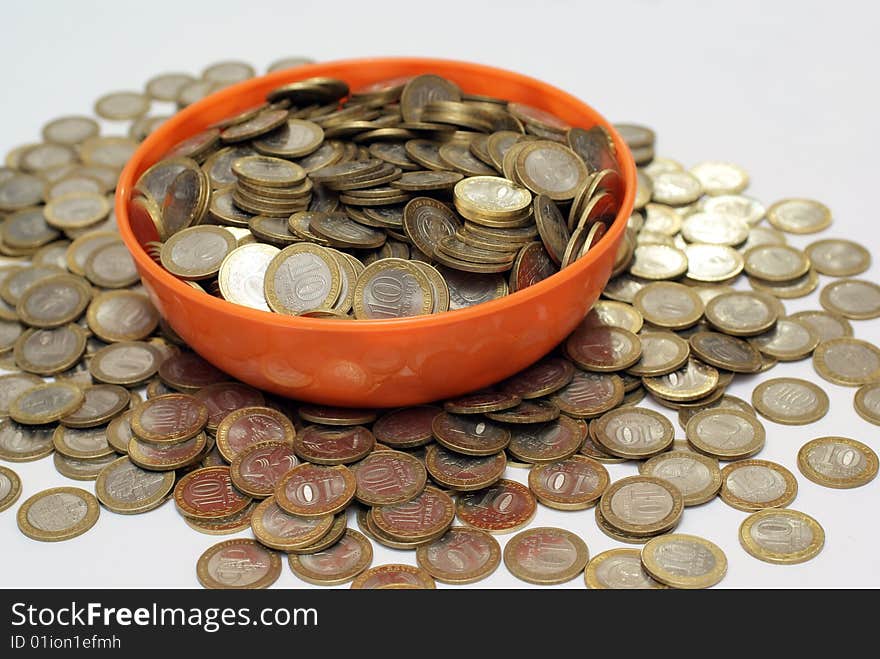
x=757, y=484
x=676, y=188
x=661, y=219
x=197, y=252
x=726, y=434
x=167, y=86
x=493, y=194
x=669, y=305
x=123, y=487
x=696, y=476
x=23, y=443
x=827, y=325
x=720, y=178
x=782, y=536
x=838, y=258
x=12, y=385
x=846, y=361
x=46, y=156
x=81, y=469
x=122, y=105
x=711, y=263
x=706, y=227
x=21, y=190
x=684, y=561
x=302, y=277
x=70, y=130
x=662, y=353
x=655, y=261
x=790, y=401
x=242, y=274
x=742, y=313
x=83, y=444
x=762, y=235
x=619, y=569
x=838, y=462
x=852, y=298
x=77, y=210
x=799, y=216
x=776, y=263
x=227, y=73
x=111, y=266
x=744, y=208
x=633, y=432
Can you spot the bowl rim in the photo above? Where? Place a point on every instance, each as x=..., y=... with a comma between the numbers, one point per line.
x=189, y=116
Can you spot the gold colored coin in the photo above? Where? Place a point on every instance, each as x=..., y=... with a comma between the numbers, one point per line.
x=725, y=434
x=462, y=555
x=620, y=505
x=790, y=401
x=618, y=569
x=852, y=298
x=58, y=514
x=394, y=576
x=799, y=216
x=575, y=483
x=10, y=487
x=240, y=564
x=696, y=476
x=337, y=564
x=867, y=402
x=757, y=484
x=684, y=561
x=848, y=362
x=781, y=536
x=838, y=462
x=546, y=555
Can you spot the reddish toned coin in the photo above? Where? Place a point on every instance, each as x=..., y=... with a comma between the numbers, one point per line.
x=238, y=564
x=572, y=484
x=424, y=517
x=464, y=472
x=257, y=469
x=277, y=528
x=502, y=508
x=470, y=435
x=528, y=411
x=407, y=427
x=186, y=371
x=389, y=477
x=393, y=576
x=223, y=525
x=461, y=556
x=337, y=530
x=208, y=493
x=337, y=564
x=224, y=397
x=593, y=450
x=327, y=445
x=546, y=555
x=167, y=457
x=315, y=490
x=336, y=416
x=481, y=402
x=169, y=419
x=589, y=394
x=540, y=379
x=547, y=442
x=252, y=425
x=603, y=348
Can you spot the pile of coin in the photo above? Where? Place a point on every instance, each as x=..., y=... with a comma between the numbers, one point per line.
x=133, y=410
x=407, y=199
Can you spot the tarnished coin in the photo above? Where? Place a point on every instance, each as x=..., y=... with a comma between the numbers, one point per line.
x=57, y=514
x=848, y=362
x=461, y=556
x=336, y=416
x=166, y=457
x=425, y=517
x=243, y=272
x=125, y=488
x=223, y=525
x=781, y=536
x=463, y=472
x=669, y=305
x=24, y=443
x=393, y=576
x=837, y=462
x=238, y=564
x=720, y=178
x=662, y=353
x=102, y=403
x=684, y=561
x=13, y=384
x=81, y=469
x=694, y=381
x=602, y=349
x=641, y=505
x=408, y=427
x=589, y=395
x=575, y=483
x=696, y=476
x=82, y=444
x=467, y=288
x=276, y=528
x=725, y=434
x=247, y=426
x=776, y=263
x=757, y=484
x=169, y=419
x=302, y=277
x=790, y=401
x=618, y=569
x=330, y=446
x=10, y=488
x=867, y=402
x=501, y=508
x=46, y=403
x=826, y=325
x=655, y=261
x=482, y=402
x=852, y=298
x=741, y=313
x=837, y=257
x=337, y=564
x=222, y=398
x=208, y=493
x=547, y=442
x=799, y=216
x=389, y=477
x=546, y=555
x=122, y=316
x=468, y=435
x=257, y=469
x=725, y=352
x=392, y=288
x=188, y=372
x=540, y=379
x=676, y=188
x=50, y=351
x=315, y=490
x=634, y=433
x=527, y=412
x=127, y=363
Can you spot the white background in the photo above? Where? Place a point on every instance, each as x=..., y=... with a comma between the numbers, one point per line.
x=787, y=89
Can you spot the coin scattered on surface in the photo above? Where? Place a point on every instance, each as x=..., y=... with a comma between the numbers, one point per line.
x=852, y=298
x=696, y=476
x=462, y=555
x=799, y=216
x=684, y=561
x=10, y=487
x=725, y=434
x=781, y=536
x=757, y=484
x=837, y=257
x=545, y=555
x=58, y=514
x=618, y=569
x=238, y=564
x=848, y=362
x=837, y=462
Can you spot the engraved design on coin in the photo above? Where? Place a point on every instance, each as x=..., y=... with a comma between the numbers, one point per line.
x=57, y=512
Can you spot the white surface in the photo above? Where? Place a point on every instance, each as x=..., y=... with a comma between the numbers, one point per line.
x=787, y=89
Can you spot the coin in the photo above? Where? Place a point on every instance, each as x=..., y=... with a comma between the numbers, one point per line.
x=575, y=483
x=602, y=349
x=684, y=561
x=122, y=316
x=757, y=484
x=837, y=257
x=707, y=228
x=238, y=564
x=45, y=403
x=725, y=434
x=742, y=313
x=50, y=351
x=669, y=305
x=461, y=556
x=694, y=381
x=82, y=444
x=125, y=488
x=58, y=514
x=545, y=555
x=826, y=325
x=167, y=457
x=641, y=505
x=208, y=493
x=393, y=576
x=837, y=462
x=725, y=352
x=336, y=416
x=527, y=412
x=13, y=384
x=70, y=130
x=276, y=528
x=392, y=288
x=589, y=394
x=503, y=507
x=463, y=472
x=781, y=536
x=540, y=379
x=867, y=402
x=551, y=169
x=696, y=476
x=852, y=298
x=790, y=401
x=795, y=288
x=547, y=442
x=482, y=402
x=10, y=487
x=712, y=263
x=169, y=419
x=662, y=353
x=799, y=216
x=337, y=564
x=425, y=517
x=242, y=274
x=24, y=443
x=389, y=477
x=776, y=263
x=634, y=433
x=81, y=469
x=315, y=490
x=464, y=434
x=676, y=188
x=222, y=398
x=720, y=178
x=655, y=261
x=187, y=372
x=102, y=403
x=257, y=469
x=408, y=427
x=619, y=569
x=848, y=362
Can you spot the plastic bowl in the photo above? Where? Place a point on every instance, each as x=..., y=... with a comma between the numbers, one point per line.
x=376, y=363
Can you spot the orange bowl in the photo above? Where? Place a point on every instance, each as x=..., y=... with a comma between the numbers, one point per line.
x=376, y=363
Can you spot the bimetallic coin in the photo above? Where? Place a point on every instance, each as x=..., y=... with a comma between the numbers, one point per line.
x=502, y=508
x=742, y=313
x=276, y=528
x=712, y=263
x=707, y=228
x=795, y=288
x=461, y=556
x=482, y=402
x=337, y=564
x=837, y=257
x=70, y=130
x=389, y=477
x=197, y=252
x=662, y=353
x=634, y=433
x=540, y=379
x=392, y=288
x=46, y=403
x=315, y=490
x=550, y=169
x=102, y=403
x=257, y=469
x=24, y=443
x=757, y=484
x=408, y=427
x=848, y=362
x=81, y=469
x=208, y=493
x=725, y=352
x=463, y=472
x=776, y=263
x=852, y=298
x=467, y=288
x=799, y=216
x=122, y=316
x=222, y=398
x=676, y=188
x=669, y=305
x=125, y=488
x=166, y=457
x=527, y=412
x=58, y=514
x=243, y=272
x=694, y=381
x=788, y=340
x=238, y=564
x=82, y=444
x=619, y=569
x=589, y=395
x=547, y=442
x=603, y=349
x=572, y=484
x=546, y=556
x=696, y=476
x=720, y=178
x=76, y=210
x=781, y=536
x=469, y=436
x=50, y=351
x=837, y=462
x=725, y=434
x=421, y=519
x=127, y=363
x=169, y=419
x=790, y=401
x=302, y=277
x=641, y=505
x=10, y=487
x=336, y=416
x=329, y=446
x=655, y=261
x=684, y=561
x=867, y=402
x=12, y=385
x=826, y=325
x=393, y=576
